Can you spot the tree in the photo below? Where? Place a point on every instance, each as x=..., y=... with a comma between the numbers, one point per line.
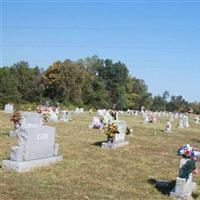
x=177, y=103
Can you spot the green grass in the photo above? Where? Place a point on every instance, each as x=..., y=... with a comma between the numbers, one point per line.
x=89, y=172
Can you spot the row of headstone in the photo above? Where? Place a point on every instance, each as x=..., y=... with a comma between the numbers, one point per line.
x=133, y=112
x=53, y=114
x=79, y=110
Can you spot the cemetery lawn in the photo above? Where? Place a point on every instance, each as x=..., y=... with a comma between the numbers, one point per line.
x=90, y=172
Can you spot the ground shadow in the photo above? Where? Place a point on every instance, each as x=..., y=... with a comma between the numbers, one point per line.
x=98, y=143
x=195, y=195
x=164, y=187
x=196, y=140
x=4, y=133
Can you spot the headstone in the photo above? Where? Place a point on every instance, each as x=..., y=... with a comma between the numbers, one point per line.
x=47, y=103
x=96, y=123
x=119, y=139
x=197, y=119
x=27, y=119
x=142, y=109
x=107, y=118
x=81, y=110
x=53, y=117
x=146, y=118
x=100, y=112
x=154, y=118
x=63, y=116
x=168, y=127
x=31, y=119
x=77, y=110
x=8, y=108
x=36, y=146
x=181, y=122
x=184, y=184
x=186, y=121
x=183, y=188
x=171, y=117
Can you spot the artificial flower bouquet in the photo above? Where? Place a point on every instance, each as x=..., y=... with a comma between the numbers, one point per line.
x=111, y=130
x=15, y=118
x=45, y=111
x=190, y=157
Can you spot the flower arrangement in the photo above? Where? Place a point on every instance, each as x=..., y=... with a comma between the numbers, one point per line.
x=188, y=164
x=187, y=151
x=129, y=131
x=45, y=111
x=113, y=113
x=111, y=130
x=16, y=117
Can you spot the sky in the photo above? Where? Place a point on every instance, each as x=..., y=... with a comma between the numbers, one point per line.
x=159, y=41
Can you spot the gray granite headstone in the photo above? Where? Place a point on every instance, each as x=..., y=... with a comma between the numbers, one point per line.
x=36, y=146
x=31, y=119
x=8, y=108
x=119, y=139
x=27, y=119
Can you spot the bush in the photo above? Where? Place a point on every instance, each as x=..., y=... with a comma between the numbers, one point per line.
x=26, y=107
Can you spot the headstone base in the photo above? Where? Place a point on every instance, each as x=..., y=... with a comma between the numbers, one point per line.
x=64, y=120
x=168, y=131
x=25, y=166
x=114, y=145
x=183, y=190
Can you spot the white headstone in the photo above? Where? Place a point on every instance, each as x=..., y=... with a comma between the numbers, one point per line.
x=168, y=127
x=197, y=119
x=77, y=110
x=81, y=110
x=8, y=108
x=63, y=116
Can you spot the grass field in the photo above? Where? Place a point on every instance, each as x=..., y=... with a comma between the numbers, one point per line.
x=90, y=172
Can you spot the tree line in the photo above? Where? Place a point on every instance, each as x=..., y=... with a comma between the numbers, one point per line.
x=91, y=82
